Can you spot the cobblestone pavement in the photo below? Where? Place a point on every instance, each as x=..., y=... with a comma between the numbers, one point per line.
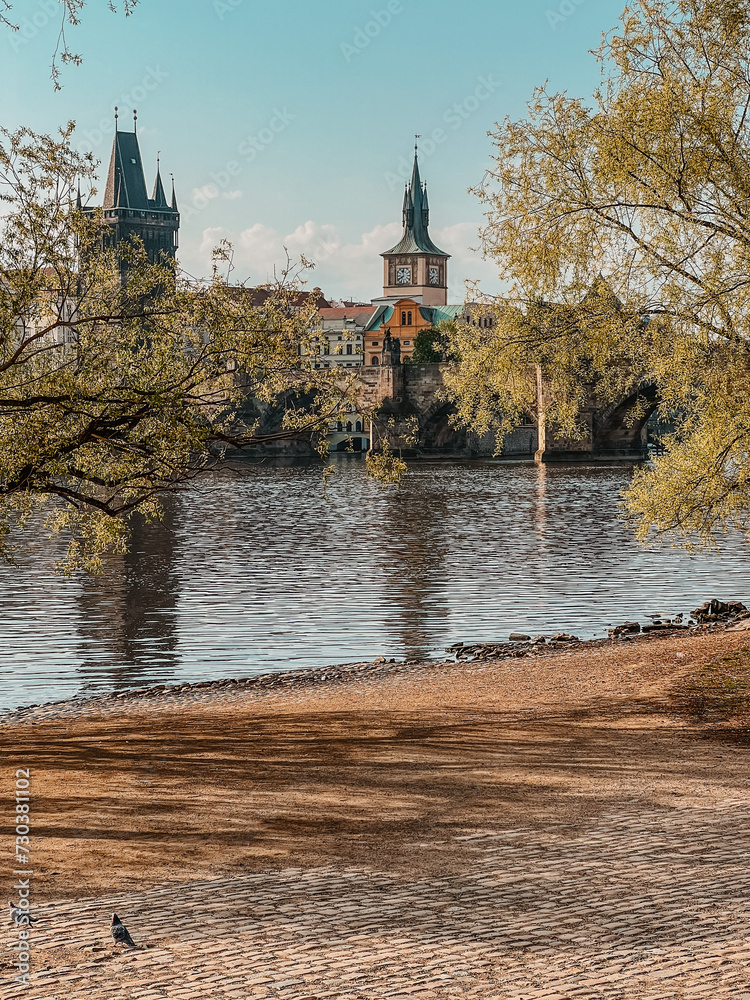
x=648, y=904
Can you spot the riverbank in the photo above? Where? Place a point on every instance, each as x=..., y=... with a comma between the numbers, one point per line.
x=568, y=823
x=356, y=762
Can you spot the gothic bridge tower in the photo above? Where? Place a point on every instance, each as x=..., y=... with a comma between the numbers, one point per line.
x=128, y=211
x=415, y=267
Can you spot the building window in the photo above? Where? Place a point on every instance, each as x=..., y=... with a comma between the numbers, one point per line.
x=374, y=343
x=349, y=348
x=408, y=318
x=374, y=361
x=349, y=426
x=339, y=426
x=406, y=343
x=358, y=426
x=403, y=318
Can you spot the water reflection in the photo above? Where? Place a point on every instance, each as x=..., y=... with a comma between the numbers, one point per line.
x=131, y=609
x=414, y=565
x=540, y=506
x=265, y=572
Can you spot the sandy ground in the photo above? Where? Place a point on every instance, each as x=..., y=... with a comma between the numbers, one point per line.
x=361, y=773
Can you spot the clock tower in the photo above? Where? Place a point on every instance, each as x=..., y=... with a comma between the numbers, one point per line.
x=415, y=267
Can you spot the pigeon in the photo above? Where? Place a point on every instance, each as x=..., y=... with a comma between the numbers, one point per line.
x=119, y=932
x=19, y=917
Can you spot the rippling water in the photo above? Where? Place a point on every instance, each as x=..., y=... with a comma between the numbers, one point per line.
x=264, y=572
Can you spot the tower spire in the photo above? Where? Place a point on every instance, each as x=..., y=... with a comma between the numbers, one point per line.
x=415, y=265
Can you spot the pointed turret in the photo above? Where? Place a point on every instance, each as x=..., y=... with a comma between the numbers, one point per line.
x=415, y=265
x=416, y=216
x=79, y=203
x=158, y=198
x=407, y=205
x=174, y=198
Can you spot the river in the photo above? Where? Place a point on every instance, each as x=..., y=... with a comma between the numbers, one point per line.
x=269, y=570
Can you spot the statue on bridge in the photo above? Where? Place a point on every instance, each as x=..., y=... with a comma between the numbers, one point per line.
x=391, y=353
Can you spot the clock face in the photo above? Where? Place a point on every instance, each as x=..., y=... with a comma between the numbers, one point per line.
x=403, y=275
x=434, y=276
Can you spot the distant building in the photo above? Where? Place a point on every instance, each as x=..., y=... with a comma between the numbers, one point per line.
x=259, y=295
x=339, y=335
x=349, y=433
x=415, y=282
x=128, y=211
x=415, y=267
x=404, y=318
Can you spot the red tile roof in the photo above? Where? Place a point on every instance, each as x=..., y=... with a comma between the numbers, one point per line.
x=348, y=312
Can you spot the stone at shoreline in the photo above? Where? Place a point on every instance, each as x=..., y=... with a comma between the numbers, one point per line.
x=716, y=611
x=518, y=637
x=564, y=637
x=627, y=628
x=661, y=627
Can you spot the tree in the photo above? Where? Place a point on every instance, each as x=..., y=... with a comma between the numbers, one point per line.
x=113, y=394
x=648, y=185
x=70, y=14
x=428, y=347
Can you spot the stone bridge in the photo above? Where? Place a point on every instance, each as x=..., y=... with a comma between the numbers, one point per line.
x=414, y=414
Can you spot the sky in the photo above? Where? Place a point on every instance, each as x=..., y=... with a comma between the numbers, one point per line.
x=291, y=124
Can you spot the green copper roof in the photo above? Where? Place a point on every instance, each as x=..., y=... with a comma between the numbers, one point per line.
x=416, y=218
x=436, y=314
x=382, y=314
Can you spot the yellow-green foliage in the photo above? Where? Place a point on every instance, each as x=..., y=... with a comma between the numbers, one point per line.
x=621, y=229
x=112, y=395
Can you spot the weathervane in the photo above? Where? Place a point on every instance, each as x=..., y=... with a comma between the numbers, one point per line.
x=135, y=120
x=116, y=117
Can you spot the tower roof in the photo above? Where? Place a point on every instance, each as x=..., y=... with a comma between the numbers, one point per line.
x=416, y=216
x=126, y=183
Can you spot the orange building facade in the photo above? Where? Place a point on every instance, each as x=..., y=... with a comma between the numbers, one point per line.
x=404, y=319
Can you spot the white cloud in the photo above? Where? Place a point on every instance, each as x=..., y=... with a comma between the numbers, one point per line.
x=342, y=270
x=203, y=194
